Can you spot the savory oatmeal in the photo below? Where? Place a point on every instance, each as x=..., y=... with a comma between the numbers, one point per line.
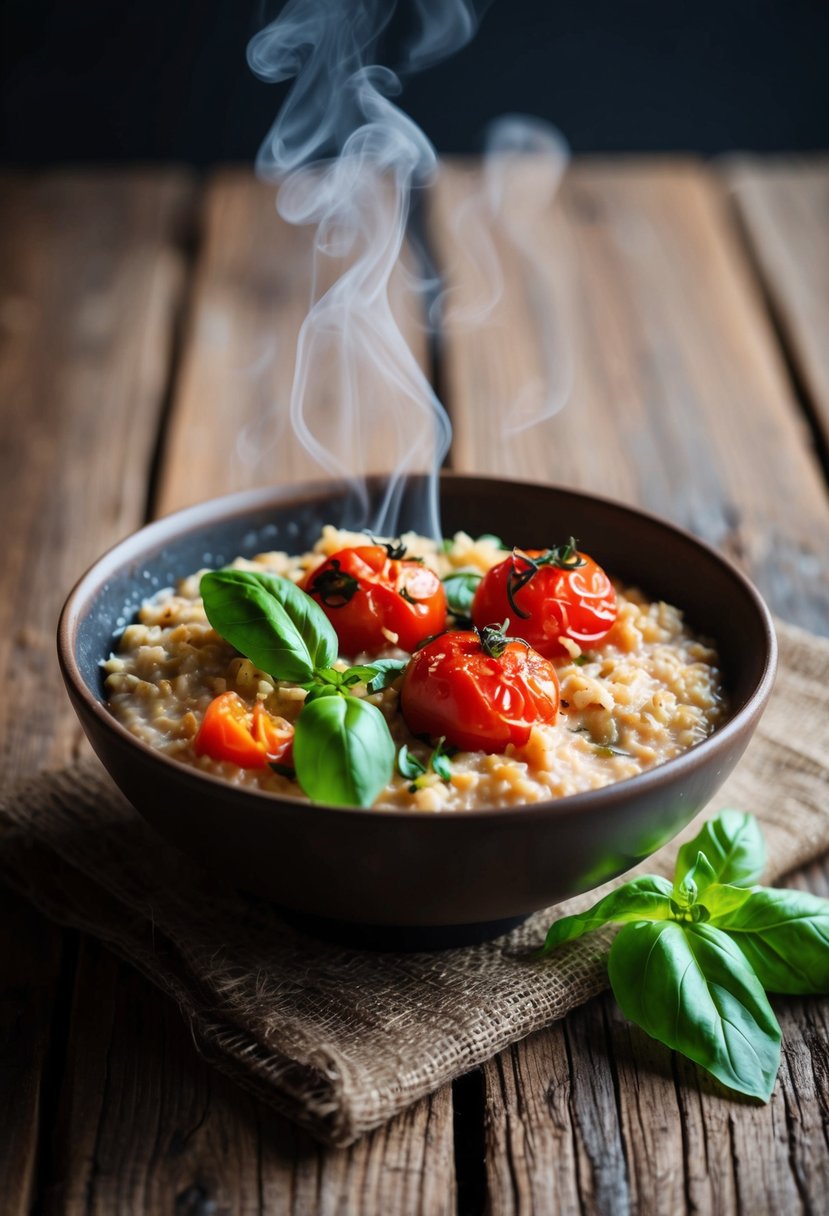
x=648, y=690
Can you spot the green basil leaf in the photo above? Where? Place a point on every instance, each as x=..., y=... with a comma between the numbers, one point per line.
x=408, y=765
x=691, y=988
x=439, y=761
x=493, y=539
x=719, y=899
x=343, y=751
x=733, y=844
x=362, y=674
x=607, y=750
x=646, y=898
x=460, y=588
x=386, y=672
x=784, y=935
x=695, y=881
x=315, y=691
x=329, y=675
x=270, y=621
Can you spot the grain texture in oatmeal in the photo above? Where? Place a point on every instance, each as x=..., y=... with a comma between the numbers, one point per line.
x=650, y=691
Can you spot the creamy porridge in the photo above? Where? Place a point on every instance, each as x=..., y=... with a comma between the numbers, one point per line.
x=648, y=691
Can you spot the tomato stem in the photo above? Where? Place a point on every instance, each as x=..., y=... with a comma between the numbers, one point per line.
x=562, y=557
x=334, y=587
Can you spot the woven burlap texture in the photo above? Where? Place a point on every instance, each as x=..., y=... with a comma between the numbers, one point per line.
x=341, y=1039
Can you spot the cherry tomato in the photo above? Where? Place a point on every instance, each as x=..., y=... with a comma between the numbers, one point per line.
x=251, y=739
x=479, y=698
x=546, y=595
x=368, y=594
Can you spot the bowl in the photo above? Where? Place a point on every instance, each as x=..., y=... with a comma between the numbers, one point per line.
x=402, y=877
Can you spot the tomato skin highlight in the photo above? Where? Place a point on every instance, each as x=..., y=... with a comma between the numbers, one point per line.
x=252, y=739
x=479, y=702
x=373, y=592
x=575, y=602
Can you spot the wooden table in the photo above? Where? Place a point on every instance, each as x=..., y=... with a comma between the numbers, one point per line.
x=139, y=314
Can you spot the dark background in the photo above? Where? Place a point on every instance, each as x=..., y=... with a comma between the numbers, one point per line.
x=167, y=79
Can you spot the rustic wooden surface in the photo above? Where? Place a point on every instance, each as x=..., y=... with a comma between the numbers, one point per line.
x=146, y=322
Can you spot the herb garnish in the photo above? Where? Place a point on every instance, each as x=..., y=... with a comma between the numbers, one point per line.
x=608, y=750
x=343, y=751
x=695, y=958
x=563, y=557
x=411, y=767
x=460, y=588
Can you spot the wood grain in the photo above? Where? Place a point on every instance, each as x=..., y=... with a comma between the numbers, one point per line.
x=680, y=403
x=147, y=1126
x=90, y=279
x=680, y=399
x=783, y=206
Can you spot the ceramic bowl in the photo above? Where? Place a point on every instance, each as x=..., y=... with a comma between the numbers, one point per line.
x=448, y=877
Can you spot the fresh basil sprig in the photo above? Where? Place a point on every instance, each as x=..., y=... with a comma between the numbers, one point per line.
x=695, y=957
x=343, y=750
x=271, y=621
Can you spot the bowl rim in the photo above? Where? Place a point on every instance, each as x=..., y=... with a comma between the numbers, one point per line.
x=179, y=522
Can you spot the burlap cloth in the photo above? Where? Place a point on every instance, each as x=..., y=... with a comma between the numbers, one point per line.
x=341, y=1039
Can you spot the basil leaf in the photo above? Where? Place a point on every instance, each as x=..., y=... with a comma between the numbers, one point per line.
x=315, y=691
x=460, y=588
x=646, y=898
x=270, y=621
x=690, y=987
x=733, y=844
x=343, y=751
x=440, y=761
x=719, y=899
x=694, y=883
x=386, y=672
x=362, y=674
x=329, y=675
x=493, y=539
x=784, y=935
x=408, y=765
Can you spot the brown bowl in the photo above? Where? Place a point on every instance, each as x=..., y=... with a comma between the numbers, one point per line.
x=463, y=870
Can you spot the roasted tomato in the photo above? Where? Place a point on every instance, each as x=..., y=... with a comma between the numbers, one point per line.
x=480, y=691
x=375, y=597
x=548, y=594
x=249, y=738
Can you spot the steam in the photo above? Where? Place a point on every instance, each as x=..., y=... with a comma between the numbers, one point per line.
x=383, y=415
x=348, y=159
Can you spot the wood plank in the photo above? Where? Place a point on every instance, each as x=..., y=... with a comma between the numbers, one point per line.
x=146, y=1125
x=231, y=427
x=783, y=206
x=680, y=403
x=90, y=278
